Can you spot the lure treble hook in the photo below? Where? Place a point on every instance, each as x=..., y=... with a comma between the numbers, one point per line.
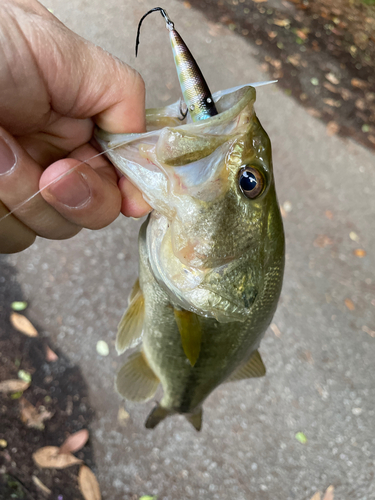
x=195, y=91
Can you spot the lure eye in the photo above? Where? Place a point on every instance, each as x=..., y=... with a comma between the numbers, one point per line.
x=251, y=182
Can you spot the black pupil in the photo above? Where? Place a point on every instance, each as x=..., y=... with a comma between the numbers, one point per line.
x=248, y=181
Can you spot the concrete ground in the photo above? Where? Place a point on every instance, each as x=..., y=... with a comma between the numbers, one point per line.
x=320, y=356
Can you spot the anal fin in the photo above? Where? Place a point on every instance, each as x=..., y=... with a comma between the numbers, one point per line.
x=191, y=333
x=136, y=381
x=130, y=327
x=156, y=416
x=254, y=367
x=195, y=419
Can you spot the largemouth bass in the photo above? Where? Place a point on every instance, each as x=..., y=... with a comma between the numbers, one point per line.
x=211, y=254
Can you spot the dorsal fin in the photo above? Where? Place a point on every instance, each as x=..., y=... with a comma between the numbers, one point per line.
x=136, y=381
x=130, y=327
x=191, y=333
x=254, y=367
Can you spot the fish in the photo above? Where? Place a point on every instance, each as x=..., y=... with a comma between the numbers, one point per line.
x=211, y=252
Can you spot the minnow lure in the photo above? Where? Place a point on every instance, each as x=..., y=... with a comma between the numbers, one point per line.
x=197, y=95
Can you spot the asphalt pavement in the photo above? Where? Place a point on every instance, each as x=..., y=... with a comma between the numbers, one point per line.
x=320, y=352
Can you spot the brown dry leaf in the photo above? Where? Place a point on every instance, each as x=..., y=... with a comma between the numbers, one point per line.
x=75, y=442
x=332, y=78
x=88, y=484
x=368, y=330
x=187, y=5
x=51, y=356
x=23, y=325
x=322, y=241
x=331, y=87
x=314, y=112
x=359, y=84
x=359, y=252
x=301, y=34
x=317, y=496
x=349, y=304
x=329, y=494
x=38, y=483
x=32, y=417
x=281, y=22
x=275, y=329
x=329, y=214
x=49, y=458
x=13, y=385
x=332, y=128
x=332, y=102
x=294, y=59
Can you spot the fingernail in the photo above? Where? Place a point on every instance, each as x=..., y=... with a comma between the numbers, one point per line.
x=72, y=190
x=7, y=158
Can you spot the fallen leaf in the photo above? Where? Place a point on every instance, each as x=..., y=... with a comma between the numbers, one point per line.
x=349, y=304
x=314, y=112
x=102, y=348
x=332, y=78
x=38, y=483
x=123, y=417
x=300, y=436
x=360, y=84
x=330, y=87
x=187, y=5
x=18, y=306
x=51, y=356
x=332, y=128
x=25, y=376
x=332, y=102
x=275, y=329
x=301, y=34
x=294, y=59
x=88, y=484
x=33, y=417
x=317, y=496
x=13, y=386
x=366, y=329
x=328, y=495
x=75, y=442
x=329, y=214
x=49, y=458
x=359, y=252
x=23, y=325
x=281, y=22
x=322, y=241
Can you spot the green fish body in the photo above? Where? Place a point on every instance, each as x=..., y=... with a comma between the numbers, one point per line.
x=211, y=254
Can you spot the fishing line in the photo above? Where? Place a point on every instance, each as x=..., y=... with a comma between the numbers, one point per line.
x=61, y=176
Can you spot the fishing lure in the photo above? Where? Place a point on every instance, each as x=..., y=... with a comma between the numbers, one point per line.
x=195, y=91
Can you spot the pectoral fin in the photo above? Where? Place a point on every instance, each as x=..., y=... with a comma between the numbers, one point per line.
x=191, y=333
x=130, y=327
x=254, y=367
x=136, y=381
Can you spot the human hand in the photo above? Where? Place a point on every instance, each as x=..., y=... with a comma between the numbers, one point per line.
x=54, y=86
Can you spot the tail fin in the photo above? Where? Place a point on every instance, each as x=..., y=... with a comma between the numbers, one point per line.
x=195, y=419
x=156, y=416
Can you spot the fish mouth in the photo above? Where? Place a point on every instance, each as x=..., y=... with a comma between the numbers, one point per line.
x=172, y=157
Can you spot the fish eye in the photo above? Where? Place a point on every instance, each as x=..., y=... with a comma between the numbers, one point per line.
x=251, y=182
